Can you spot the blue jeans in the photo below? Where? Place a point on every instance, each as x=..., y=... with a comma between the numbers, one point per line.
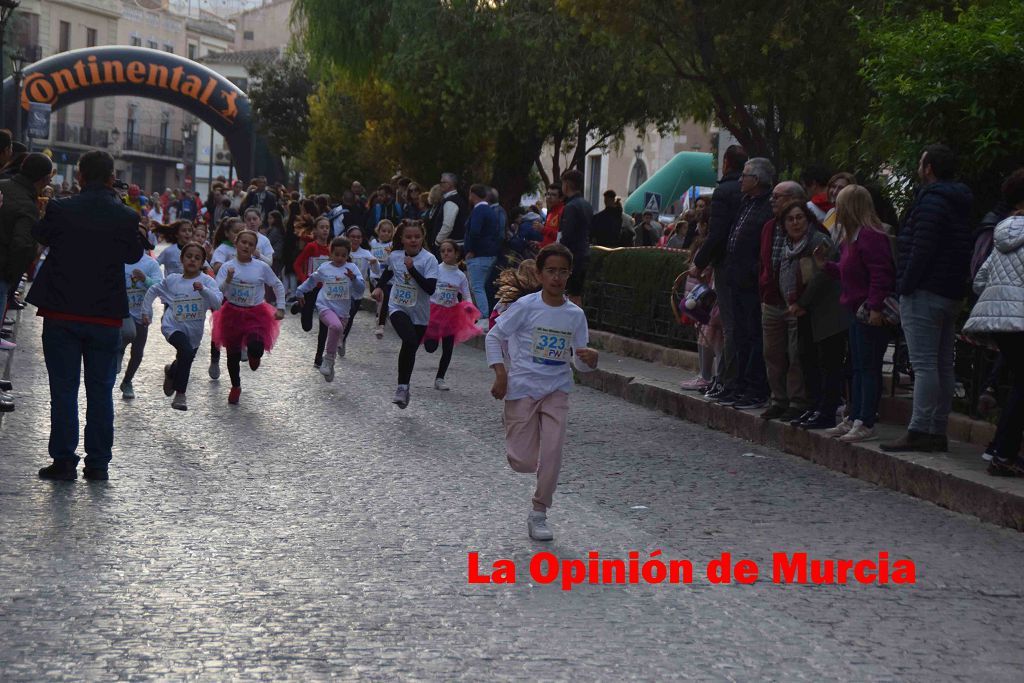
x=479, y=269
x=867, y=349
x=65, y=345
x=928, y=324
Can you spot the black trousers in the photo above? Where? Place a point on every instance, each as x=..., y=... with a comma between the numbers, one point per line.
x=447, y=347
x=254, y=348
x=308, y=313
x=356, y=305
x=824, y=368
x=182, y=365
x=411, y=336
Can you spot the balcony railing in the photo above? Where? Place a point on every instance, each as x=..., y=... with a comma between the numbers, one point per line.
x=153, y=144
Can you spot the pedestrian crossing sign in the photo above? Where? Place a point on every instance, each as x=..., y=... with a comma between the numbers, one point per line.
x=652, y=202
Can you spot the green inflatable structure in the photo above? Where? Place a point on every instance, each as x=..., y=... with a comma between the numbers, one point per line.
x=683, y=171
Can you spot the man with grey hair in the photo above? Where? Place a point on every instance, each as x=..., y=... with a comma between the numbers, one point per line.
x=749, y=387
x=779, y=330
x=450, y=222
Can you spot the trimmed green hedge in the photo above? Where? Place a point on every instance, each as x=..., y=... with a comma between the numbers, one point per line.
x=627, y=292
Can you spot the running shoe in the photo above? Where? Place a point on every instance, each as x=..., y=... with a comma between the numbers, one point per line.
x=401, y=398
x=214, y=369
x=379, y=333
x=127, y=391
x=179, y=402
x=168, y=381
x=234, y=394
x=537, y=526
x=327, y=369
x=840, y=429
x=440, y=385
x=6, y=345
x=859, y=432
x=254, y=363
x=698, y=383
x=341, y=348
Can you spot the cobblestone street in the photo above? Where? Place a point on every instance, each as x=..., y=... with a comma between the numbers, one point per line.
x=316, y=531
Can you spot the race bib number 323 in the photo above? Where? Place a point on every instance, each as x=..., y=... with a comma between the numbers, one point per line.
x=551, y=347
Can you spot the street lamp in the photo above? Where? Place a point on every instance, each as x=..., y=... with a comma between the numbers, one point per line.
x=639, y=152
x=18, y=61
x=7, y=8
x=189, y=131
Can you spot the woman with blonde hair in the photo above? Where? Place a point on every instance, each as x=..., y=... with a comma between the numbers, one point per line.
x=867, y=275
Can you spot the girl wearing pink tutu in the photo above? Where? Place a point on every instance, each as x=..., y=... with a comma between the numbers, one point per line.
x=452, y=313
x=246, y=320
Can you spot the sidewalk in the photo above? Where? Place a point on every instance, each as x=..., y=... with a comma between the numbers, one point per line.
x=956, y=480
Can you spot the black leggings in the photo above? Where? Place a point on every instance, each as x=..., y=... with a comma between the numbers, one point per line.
x=138, y=348
x=255, y=350
x=356, y=305
x=411, y=336
x=447, y=347
x=308, y=311
x=182, y=365
x=382, y=314
x=214, y=353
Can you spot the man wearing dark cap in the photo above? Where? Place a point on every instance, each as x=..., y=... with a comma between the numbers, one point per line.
x=80, y=293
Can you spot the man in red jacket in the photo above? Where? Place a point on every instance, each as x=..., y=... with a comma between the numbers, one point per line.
x=779, y=330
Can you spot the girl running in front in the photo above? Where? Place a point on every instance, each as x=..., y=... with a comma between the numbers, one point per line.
x=246, y=320
x=312, y=256
x=139, y=277
x=186, y=296
x=179, y=233
x=452, y=313
x=369, y=268
x=412, y=273
x=541, y=330
x=340, y=284
x=381, y=246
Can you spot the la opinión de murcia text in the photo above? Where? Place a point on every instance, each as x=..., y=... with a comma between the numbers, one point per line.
x=652, y=568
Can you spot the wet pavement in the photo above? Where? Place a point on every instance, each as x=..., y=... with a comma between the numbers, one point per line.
x=316, y=531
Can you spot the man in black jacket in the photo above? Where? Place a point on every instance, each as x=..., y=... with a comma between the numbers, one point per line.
x=932, y=277
x=740, y=272
x=81, y=296
x=607, y=225
x=725, y=205
x=574, y=231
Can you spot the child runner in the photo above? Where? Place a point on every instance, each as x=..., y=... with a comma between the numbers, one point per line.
x=369, y=268
x=312, y=256
x=186, y=296
x=381, y=245
x=452, y=313
x=224, y=237
x=412, y=274
x=264, y=250
x=246, y=320
x=541, y=330
x=340, y=284
x=139, y=277
x=178, y=234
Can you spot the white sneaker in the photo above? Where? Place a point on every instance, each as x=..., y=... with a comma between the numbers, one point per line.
x=840, y=429
x=214, y=369
x=859, y=432
x=7, y=345
x=537, y=526
x=327, y=368
x=379, y=333
x=341, y=348
x=440, y=385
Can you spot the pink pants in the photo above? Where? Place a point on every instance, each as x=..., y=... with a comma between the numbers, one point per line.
x=335, y=326
x=534, y=436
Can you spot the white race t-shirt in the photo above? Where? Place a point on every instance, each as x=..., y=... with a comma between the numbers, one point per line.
x=406, y=294
x=451, y=282
x=222, y=254
x=184, y=308
x=540, y=339
x=366, y=263
x=248, y=286
x=380, y=250
x=170, y=259
x=338, y=289
x=137, y=290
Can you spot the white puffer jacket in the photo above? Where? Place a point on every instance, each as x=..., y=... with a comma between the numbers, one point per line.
x=1000, y=281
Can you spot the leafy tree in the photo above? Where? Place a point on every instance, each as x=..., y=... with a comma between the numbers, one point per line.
x=279, y=92
x=953, y=79
x=502, y=77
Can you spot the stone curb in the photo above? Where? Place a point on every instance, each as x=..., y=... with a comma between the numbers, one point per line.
x=892, y=471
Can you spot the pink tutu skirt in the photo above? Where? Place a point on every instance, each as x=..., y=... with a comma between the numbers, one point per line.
x=457, y=321
x=233, y=326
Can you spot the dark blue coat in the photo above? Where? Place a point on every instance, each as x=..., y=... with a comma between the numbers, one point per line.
x=91, y=237
x=725, y=204
x=934, y=243
x=483, y=235
x=742, y=263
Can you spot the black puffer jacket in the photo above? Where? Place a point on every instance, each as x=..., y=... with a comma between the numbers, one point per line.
x=934, y=242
